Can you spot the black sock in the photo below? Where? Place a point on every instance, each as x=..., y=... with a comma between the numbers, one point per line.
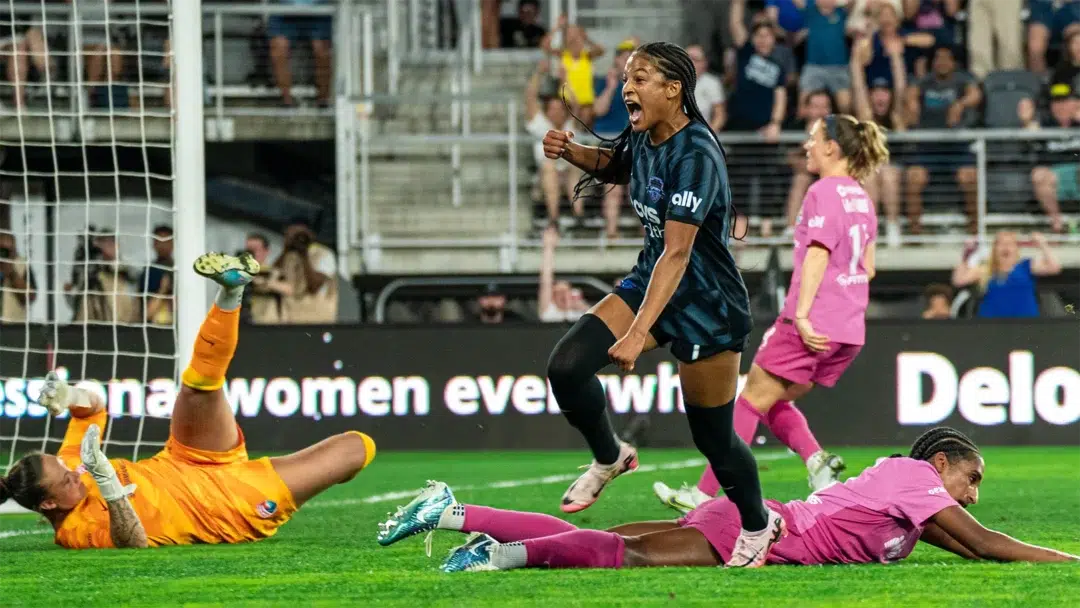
x=735, y=468
x=572, y=371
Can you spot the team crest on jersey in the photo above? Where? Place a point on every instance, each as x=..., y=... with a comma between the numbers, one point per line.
x=656, y=189
x=266, y=509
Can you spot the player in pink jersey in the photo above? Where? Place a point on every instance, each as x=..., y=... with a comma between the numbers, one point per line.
x=875, y=517
x=823, y=324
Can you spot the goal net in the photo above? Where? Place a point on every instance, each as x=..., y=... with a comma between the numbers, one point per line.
x=88, y=178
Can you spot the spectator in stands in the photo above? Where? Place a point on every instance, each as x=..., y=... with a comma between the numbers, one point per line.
x=1005, y=281
x=789, y=16
x=17, y=286
x=944, y=99
x=544, y=111
x=1055, y=178
x=889, y=39
x=310, y=269
x=709, y=92
x=816, y=106
x=826, y=51
x=523, y=31
x=156, y=282
x=610, y=119
x=100, y=288
x=490, y=16
x=21, y=45
x=1067, y=72
x=881, y=103
x=991, y=21
x=104, y=51
x=863, y=15
x=491, y=307
x=286, y=30
x=555, y=300
x=576, y=52
x=1050, y=21
x=264, y=293
x=937, y=17
x=759, y=102
x=740, y=24
x=938, y=302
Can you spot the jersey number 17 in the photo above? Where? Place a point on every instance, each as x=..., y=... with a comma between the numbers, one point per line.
x=859, y=237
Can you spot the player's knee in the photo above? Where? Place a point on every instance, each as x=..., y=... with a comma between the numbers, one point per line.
x=359, y=448
x=580, y=353
x=635, y=553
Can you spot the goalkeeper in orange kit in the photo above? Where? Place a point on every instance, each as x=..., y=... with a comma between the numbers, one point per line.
x=201, y=488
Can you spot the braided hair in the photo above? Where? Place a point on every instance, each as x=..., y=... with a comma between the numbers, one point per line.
x=674, y=63
x=955, y=445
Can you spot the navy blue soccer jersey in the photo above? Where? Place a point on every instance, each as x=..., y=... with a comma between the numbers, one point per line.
x=685, y=179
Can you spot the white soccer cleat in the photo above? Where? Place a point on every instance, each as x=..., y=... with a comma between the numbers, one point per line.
x=584, y=492
x=55, y=395
x=823, y=470
x=685, y=499
x=752, y=551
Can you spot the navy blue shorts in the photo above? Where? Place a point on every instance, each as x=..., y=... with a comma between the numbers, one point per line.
x=300, y=28
x=666, y=330
x=1056, y=18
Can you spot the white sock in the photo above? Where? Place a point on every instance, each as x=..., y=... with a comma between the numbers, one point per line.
x=453, y=518
x=508, y=556
x=229, y=298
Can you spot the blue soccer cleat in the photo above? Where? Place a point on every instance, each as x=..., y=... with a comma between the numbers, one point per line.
x=473, y=556
x=227, y=270
x=419, y=516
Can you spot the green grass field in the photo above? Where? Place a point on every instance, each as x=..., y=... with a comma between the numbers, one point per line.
x=327, y=555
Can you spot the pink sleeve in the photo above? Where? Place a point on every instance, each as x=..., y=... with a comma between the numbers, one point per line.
x=918, y=493
x=820, y=228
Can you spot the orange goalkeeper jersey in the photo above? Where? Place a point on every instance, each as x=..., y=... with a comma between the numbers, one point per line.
x=182, y=496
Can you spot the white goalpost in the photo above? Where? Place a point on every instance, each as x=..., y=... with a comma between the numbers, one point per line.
x=95, y=164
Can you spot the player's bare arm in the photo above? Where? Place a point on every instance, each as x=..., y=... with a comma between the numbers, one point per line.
x=125, y=528
x=988, y=544
x=813, y=271
x=666, y=276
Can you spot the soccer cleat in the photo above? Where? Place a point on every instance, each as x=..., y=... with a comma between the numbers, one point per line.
x=753, y=551
x=473, y=556
x=419, y=516
x=54, y=395
x=227, y=270
x=824, y=470
x=584, y=492
x=685, y=499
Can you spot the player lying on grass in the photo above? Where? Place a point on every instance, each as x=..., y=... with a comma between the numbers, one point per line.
x=201, y=488
x=875, y=517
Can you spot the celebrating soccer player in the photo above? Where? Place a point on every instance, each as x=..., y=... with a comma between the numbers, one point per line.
x=823, y=324
x=685, y=290
x=201, y=488
x=878, y=516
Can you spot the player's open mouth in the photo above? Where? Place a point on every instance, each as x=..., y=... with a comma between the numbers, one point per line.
x=635, y=111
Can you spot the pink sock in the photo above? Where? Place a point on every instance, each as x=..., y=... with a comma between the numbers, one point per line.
x=510, y=526
x=746, y=421
x=790, y=427
x=577, y=549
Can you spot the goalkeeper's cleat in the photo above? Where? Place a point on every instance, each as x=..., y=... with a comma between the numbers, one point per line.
x=473, y=556
x=685, y=499
x=419, y=516
x=824, y=470
x=584, y=492
x=55, y=394
x=227, y=270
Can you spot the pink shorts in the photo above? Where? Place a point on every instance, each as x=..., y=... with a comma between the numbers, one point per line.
x=783, y=354
x=719, y=522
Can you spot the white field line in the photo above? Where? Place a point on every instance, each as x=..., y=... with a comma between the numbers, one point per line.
x=690, y=463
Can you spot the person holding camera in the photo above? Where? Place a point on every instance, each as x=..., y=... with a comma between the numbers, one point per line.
x=17, y=286
x=308, y=269
x=100, y=287
x=262, y=299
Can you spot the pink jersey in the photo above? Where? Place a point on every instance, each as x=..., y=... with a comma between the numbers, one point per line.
x=839, y=215
x=875, y=517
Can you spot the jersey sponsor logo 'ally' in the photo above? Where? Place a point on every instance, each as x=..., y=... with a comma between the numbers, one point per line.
x=687, y=199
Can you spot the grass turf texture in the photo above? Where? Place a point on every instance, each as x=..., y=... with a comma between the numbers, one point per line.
x=327, y=555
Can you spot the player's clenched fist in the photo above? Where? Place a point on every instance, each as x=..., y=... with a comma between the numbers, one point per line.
x=555, y=143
